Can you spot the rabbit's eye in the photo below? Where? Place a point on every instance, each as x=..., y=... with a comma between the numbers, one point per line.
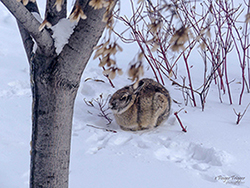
x=123, y=98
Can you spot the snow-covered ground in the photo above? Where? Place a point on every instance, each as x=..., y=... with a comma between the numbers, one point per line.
x=213, y=153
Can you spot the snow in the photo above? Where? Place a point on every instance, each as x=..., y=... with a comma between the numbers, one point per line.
x=214, y=153
x=61, y=33
x=37, y=16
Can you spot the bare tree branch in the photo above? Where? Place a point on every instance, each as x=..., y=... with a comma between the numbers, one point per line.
x=29, y=22
x=27, y=39
x=79, y=44
x=28, y=42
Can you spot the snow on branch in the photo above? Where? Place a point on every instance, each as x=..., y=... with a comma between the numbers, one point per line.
x=61, y=33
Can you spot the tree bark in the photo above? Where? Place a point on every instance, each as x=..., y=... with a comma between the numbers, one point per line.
x=53, y=103
x=55, y=84
x=28, y=42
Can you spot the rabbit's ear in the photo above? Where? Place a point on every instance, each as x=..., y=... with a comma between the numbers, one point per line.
x=131, y=90
x=138, y=86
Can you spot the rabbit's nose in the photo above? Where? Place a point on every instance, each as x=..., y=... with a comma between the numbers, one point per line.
x=112, y=105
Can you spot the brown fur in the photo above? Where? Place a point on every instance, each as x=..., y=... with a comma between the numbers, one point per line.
x=140, y=106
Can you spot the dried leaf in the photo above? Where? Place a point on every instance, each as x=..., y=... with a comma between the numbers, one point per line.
x=104, y=61
x=77, y=14
x=97, y=4
x=87, y=79
x=43, y=24
x=58, y=5
x=89, y=103
x=106, y=72
x=119, y=71
x=112, y=74
x=97, y=80
x=247, y=18
x=25, y=2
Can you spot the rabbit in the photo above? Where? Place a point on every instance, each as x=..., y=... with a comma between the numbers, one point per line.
x=143, y=105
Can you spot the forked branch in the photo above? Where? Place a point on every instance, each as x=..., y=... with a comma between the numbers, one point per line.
x=239, y=115
x=24, y=16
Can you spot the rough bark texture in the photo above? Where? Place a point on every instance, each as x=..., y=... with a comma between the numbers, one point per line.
x=53, y=102
x=55, y=80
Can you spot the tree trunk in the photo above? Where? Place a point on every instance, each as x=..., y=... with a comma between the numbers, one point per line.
x=53, y=104
x=55, y=81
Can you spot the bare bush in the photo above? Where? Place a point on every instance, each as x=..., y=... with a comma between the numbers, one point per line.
x=170, y=33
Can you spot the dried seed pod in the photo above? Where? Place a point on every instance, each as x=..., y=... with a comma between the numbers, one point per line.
x=180, y=36
x=58, y=5
x=171, y=73
x=119, y=71
x=247, y=18
x=208, y=33
x=119, y=47
x=154, y=26
x=107, y=17
x=177, y=47
x=155, y=47
x=106, y=72
x=25, y=2
x=96, y=4
x=111, y=62
x=77, y=14
x=140, y=56
x=104, y=61
x=43, y=24
x=136, y=71
x=98, y=53
x=106, y=49
x=140, y=1
x=202, y=46
x=101, y=45
x=101, y=50
x=112, y=74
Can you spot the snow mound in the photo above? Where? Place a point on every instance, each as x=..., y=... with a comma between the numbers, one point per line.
x=192, y=155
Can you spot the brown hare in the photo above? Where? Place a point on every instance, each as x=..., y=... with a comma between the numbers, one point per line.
x=143, y=105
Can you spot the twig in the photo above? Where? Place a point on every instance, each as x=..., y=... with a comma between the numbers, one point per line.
x=189, y=77
x=177, y=117
x=111, y=83
x=101, y=107
x=239, y=115
x=214, y=28
x=104, y=129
